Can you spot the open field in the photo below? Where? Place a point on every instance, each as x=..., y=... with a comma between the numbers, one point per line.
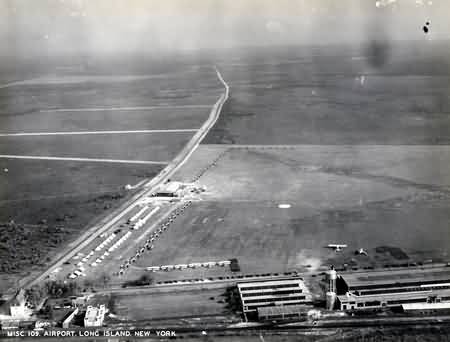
x=161, y=147
x=371, y=197
x=74, y=91
x=52, y=201
x=36, y=181
x=165, y=305
x=152, y=117
x=336, y=96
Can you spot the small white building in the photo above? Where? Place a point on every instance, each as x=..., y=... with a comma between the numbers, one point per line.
x=171, y=189
x=94, y=316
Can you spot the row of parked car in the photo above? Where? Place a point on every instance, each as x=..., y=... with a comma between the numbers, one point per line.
x=136, y=222
x=149, y=243
x=229, y=277
x=213, y=163
x=105, y=242
x=191, y=265
x=142, y=221
x=80, y=270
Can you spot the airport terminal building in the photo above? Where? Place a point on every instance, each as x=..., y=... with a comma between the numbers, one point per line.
x=392, y=288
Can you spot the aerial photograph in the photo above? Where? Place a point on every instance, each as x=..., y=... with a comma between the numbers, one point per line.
x=225, y=170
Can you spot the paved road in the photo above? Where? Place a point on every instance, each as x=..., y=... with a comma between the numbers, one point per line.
x=93, y=160
x=185, y=286
x=305, y=326
x=149, y=188
x=370, y=321
x=25, y=134
x=108, y=109
x=192, y=145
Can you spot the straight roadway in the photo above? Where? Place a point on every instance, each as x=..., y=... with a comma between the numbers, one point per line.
x=149, y=188
x=92, y=160
x=111, y=109
x=34, y=134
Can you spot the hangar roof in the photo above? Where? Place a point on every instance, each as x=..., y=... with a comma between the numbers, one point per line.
x=372, y=279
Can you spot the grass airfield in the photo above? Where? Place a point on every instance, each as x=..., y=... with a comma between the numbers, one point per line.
x=372, y=197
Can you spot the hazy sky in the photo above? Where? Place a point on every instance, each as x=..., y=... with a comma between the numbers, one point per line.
x=53, y=26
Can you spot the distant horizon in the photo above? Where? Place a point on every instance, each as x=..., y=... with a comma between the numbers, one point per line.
x=55, y=27
x=210, y=50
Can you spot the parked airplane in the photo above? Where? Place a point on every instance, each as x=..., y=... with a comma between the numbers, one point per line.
x=336, y=247
x=361, y=251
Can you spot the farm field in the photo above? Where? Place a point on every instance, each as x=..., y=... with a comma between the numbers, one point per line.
x=150, y=118
x=158, y=147
x=38, y=181
x=379, y=198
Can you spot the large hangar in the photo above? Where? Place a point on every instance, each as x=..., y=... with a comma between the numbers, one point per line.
x=389, y=288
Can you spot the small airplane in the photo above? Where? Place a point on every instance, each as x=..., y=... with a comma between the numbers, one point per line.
x=336, y=247
x=361, y=251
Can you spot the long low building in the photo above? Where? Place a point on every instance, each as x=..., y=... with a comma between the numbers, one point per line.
x=284, y=312
x=426, y=307
x=388, y=288
x=273, y=292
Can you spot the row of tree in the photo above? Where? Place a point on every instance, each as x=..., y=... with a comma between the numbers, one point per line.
x=53, y=289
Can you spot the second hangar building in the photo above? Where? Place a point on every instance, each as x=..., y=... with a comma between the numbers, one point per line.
x=389, y=288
